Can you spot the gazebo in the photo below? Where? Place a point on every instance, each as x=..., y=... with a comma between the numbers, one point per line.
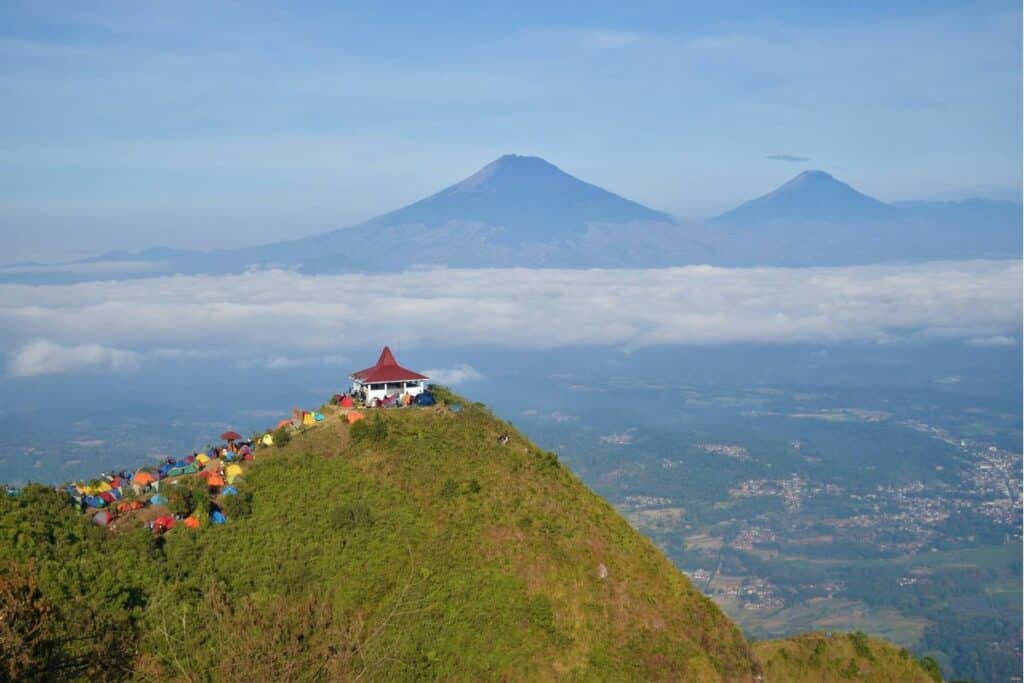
x=386, y=378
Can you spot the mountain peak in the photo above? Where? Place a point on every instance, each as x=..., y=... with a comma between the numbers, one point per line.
x=527, y=198
x=812, y=196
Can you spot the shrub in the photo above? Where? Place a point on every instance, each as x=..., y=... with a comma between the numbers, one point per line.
x=450, y=489
x=351, y=515
x=375, y=429
x=237, y=506
x=281, y=436
x=473, y=486
x=860, y=644
x=178, y=501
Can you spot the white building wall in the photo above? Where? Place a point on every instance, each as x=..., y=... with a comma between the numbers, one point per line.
x=382, y=390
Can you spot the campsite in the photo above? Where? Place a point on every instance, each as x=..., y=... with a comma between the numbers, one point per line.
x=202, y=488
x=199, y=489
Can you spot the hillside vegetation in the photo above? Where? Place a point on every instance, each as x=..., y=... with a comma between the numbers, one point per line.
x=839, y=657
x=412, y=545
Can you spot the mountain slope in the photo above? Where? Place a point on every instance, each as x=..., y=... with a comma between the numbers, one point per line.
x=811, y=196
x=530, y=199
x=837, y=657
x=416, y=544
x=420, y=548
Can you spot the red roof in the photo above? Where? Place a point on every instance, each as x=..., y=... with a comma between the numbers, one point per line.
x=387, y=369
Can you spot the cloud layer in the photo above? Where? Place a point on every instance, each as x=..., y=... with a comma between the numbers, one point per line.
x=46, y=358
x=283, y=312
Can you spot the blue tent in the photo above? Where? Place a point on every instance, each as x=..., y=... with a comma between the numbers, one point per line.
x=426, y=399
x=158, y=500
x=318, y=417
x=218, y=517
x=165, y=468
x=229, y=456
x=229, y=491
x=95, y=502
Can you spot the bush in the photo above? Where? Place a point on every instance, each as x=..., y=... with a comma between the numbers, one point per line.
x=281, y=436
x=374, y=429
x=450, y=489
x=350, y=515
x=178, y=501
x=237, y=506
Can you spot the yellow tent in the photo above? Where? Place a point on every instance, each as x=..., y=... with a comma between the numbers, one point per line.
x=202, y=458
x=268, y=440
x=308, y=419
x=104, y=486
x=233, y=472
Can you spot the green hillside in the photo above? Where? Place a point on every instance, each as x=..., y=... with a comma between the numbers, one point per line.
x=413, y=545
x=838, y=657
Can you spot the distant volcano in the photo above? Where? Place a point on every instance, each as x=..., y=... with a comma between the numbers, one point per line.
x=812, y=196
x=530, y=199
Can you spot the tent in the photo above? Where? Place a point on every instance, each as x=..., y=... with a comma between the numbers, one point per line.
x=206, y=474
x=232, y=473
x=218, y=517
x=189, y=459
x=425, y=399
x=319, y=417
x=107, y=497
x=103, y=487
x=283, y=423
x=162, y=524
x=229, y=491
x=354, y=417
x=215, y=480
x=103, y=517
x=347, y=402
x=129, y=505
x=267, y=440
x=142, y=478
x=192, y=522
x=308, y=419
x=202, y=458
x=158, y=500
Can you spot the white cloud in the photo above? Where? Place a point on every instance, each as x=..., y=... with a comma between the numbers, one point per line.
x=43, y=357
x=281, y=362
x=286, y=314
x=998, y=340
x=460, y=374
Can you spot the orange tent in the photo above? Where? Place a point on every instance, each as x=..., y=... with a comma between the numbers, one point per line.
x=283, y=423
x=355, y=417
x=142, y=478
x=215, y=480
x=129, y=505
x=192, y=522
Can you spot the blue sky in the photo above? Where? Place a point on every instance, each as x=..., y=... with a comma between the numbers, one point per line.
x=208, y=124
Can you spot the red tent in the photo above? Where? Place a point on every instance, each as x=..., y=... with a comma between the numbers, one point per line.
x=231, y=436
x=347, y=402
x=162, y=524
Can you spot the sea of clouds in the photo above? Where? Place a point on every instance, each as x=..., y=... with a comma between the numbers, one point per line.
x=118, y=324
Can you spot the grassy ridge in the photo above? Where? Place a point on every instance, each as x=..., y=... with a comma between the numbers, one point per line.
x=838, y=657
x=413, y=545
